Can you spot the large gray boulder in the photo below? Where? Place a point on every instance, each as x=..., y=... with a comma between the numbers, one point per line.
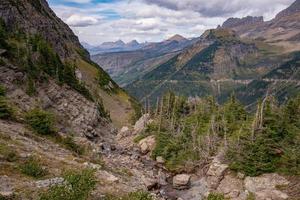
x=147, y=144
x=181, y=181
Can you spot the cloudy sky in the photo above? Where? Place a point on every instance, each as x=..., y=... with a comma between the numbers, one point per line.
x=97, y=21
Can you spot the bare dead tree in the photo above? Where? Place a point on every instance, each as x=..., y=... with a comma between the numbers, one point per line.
x=173, y=114
x=157, y=107
x=160, y=114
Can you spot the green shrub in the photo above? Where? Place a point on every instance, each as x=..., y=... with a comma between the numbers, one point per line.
x=78, y=186
x=215, y=196
x=69, y=143
x=32, y=167
x=6, y=111
x=40, y=121
x=2, y=90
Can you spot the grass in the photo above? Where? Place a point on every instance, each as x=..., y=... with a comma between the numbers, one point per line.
x=32, y=167
x=8, y=153
x=215, y=196
x=40, y=121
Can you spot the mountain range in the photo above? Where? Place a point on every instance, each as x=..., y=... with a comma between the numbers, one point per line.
x=126, y=66
x=242, y=56
x=116, y=46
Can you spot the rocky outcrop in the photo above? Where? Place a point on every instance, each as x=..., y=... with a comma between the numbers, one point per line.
x=74, y=113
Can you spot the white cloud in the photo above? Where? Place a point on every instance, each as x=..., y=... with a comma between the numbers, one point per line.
x=81, y=21
x=155, y=20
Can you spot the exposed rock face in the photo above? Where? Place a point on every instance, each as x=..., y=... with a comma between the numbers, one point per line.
x=181, y=181
x=75, y=113
x=36, y=17
x=147, y=144
x=264, y=186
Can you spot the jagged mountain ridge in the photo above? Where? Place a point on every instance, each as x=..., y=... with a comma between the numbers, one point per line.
x=125, y=67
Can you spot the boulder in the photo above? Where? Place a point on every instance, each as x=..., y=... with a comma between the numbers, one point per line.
x=181, y=181
x=217, y=169
x=147, y=144
x=264, y=186
x=141, y=123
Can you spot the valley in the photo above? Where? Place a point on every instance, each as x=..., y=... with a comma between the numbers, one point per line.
x=214, y=117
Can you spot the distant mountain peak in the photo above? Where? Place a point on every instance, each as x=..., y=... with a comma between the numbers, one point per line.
x=133, y=42
x=177, y=38
x=292, y=9
x=120, y=42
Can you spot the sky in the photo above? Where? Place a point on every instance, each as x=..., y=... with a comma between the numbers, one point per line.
x=98, y=21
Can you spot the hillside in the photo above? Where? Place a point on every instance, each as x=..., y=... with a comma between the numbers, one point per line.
x=216, y=65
